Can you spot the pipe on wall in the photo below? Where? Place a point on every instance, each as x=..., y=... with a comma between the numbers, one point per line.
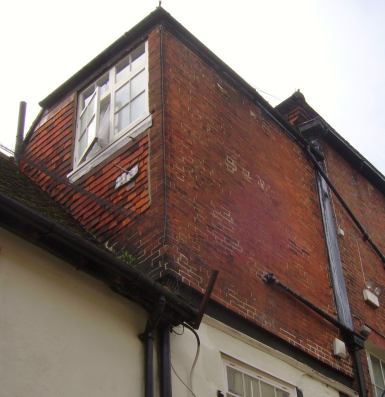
x=165, y=362
x=147, y=337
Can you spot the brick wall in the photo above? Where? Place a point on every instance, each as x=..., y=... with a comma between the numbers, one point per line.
x=242, y=199
x=360, y=263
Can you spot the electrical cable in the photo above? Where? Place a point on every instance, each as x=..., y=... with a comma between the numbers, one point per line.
x=182, y=381
x=266, y=93
x=104, y=203
x=6, y=149
x=189, y=387
x=196, y=354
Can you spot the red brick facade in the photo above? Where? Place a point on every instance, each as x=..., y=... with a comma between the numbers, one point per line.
x=221, y=186
x=360, y=262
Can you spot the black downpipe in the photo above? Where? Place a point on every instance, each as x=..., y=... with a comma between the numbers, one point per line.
x=165, y=362
x=147, y=337
x=148, y=341
x=359, y=373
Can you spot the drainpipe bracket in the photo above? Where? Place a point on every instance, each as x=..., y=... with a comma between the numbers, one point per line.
x=355, y=342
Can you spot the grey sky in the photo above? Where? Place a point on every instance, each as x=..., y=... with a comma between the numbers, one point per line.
x=332, y=50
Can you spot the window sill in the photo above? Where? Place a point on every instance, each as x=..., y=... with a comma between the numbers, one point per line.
x=129, y=136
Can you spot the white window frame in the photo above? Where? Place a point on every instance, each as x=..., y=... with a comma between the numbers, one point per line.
x=114, y=141
x=371, y=372
x=257, y=374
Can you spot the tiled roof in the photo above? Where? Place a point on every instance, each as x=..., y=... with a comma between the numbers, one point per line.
x=18, y=187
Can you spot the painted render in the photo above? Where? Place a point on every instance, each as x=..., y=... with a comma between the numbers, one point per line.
x=220, y=342
x=62, y=332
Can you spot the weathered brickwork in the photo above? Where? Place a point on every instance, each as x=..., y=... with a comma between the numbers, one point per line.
x=242, y=199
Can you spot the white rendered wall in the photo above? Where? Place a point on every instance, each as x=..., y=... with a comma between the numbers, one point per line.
x=62, y=333
x=219, y=341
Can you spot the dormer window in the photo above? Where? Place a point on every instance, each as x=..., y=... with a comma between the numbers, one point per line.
x=113, y=107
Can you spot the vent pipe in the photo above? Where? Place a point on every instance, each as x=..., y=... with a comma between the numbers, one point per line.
x=20, y=130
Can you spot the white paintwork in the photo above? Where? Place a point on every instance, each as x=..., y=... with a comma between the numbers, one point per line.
x=219, y=342
x=62, y=332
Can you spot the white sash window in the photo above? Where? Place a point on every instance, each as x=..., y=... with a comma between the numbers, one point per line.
x=246, y=382
x=112, y=106
x=377, y=373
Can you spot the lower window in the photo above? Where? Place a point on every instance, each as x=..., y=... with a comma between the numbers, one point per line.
x=246, y=382
x=377, y=367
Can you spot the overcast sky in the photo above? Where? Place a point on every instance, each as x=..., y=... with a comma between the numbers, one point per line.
x=332, y=50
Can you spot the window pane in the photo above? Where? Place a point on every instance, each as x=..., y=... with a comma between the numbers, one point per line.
x=87, y=137
x=104, y=120
x=87, y=114
x=281, y=393
x=82, y=144
x=256, y=392
x=377, y=373
x=137, y=107
x=103, y=84
x=138, y=84
x=137, y=57
x=122, y=119
x=267, y=390
x=122, y=96
x=248, y=381
x=235, y=381
x=86, y=96
x=123, y=70
x=379, y=392
x=91, y=131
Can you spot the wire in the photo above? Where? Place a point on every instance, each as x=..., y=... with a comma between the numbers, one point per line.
x=6, y=149
x=189, y=388
x=117, y=210
x=182, y=381
x=196, y=354
x=266, y=93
